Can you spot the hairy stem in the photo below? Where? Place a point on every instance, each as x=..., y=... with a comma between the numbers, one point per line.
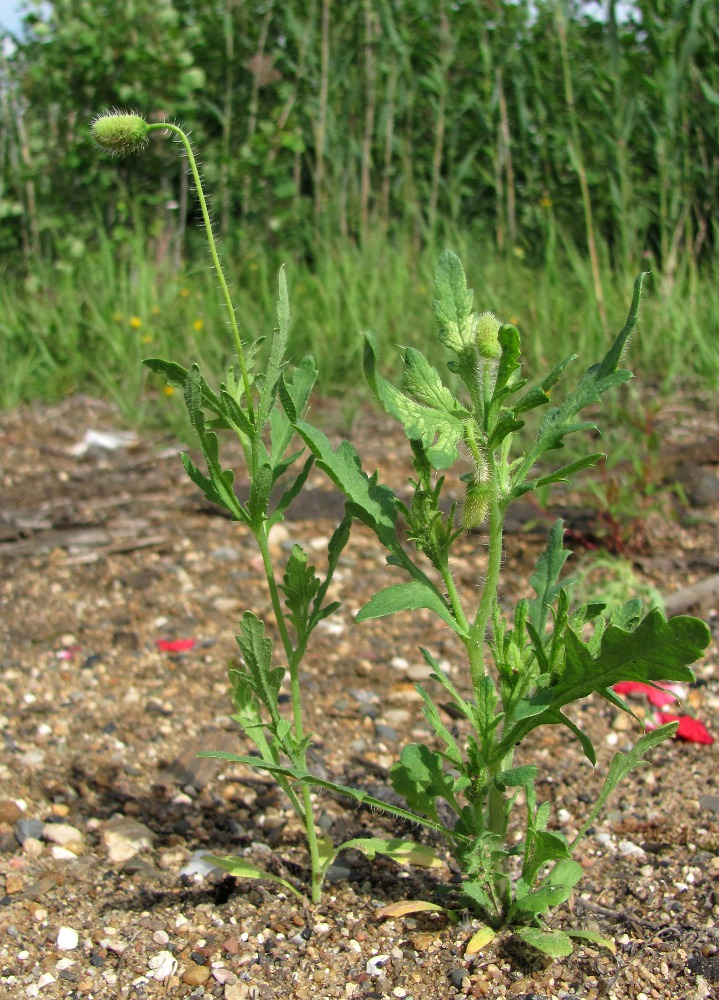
x=215, y=258
x=294, y=657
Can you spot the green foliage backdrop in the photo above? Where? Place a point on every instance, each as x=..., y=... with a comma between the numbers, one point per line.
x=533, y=124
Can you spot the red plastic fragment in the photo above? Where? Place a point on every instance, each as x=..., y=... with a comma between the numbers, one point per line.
x=689, y=729
x=175, y=645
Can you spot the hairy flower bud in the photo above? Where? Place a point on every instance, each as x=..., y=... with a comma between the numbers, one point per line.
x=476, y=504
x=487, y=341
x=121, y=134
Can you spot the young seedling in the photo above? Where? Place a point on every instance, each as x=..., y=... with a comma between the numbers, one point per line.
x=523, y=668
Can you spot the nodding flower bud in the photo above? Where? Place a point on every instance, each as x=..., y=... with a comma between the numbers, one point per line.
x=121, y=134
x=487, y=341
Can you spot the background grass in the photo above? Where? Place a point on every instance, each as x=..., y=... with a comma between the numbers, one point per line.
x=85, y=325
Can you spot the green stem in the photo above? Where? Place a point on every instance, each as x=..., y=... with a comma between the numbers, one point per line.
x=478, y=630
x=454, y=598
x=215, y=258
x=294, y=657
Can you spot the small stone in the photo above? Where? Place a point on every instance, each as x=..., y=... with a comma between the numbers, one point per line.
x=223, y=976
x=45, y=980
x=13, y=884
x=173, y=858
x=162, y=966
x=197, y=867
x=710, y=803
x=457, y=978
x=376, y=964
x=231, y=945
x=63, y=853
x=25, y=828
x=237, y=991
x=419, y=672
x=124, y=837
x=422, y=940
x=10, y=811
x=196, y=975
x=396, y=716
x=32, y=847
x=161, y=937
x=628, y=849
x=67, y=939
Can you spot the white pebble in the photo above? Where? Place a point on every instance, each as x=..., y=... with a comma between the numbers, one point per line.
x=564, y=816
x=67, y=939
x=161, y=937
x=612, y=739
x=61, y=833
x=399, y=663
x=62, y=853
x=375, y=965
x=223, y=976
x=162, y=966
x=628, y=849
x=45, y=980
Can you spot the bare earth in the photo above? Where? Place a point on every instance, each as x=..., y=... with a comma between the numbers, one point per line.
x=104, y=554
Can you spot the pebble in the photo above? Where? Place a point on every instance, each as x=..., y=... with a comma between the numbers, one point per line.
x=237, y=991
x=10, y=811
x=396, y=716
x=710, y=803
x=64, y=853
x=25, y=828
x=13, y=884
x=197, y=866
x=196, y=975
x=419, y=672
x=67, y=939
x=124, y=837
x=223, y=976
x=628, y=849
x=162, y=966
x=375, y=965
x=457, y=977
x=161, y=937
x=32, y=847
x=61, y=833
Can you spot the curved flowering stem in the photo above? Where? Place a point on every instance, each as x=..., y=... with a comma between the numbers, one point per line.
x=124, y=134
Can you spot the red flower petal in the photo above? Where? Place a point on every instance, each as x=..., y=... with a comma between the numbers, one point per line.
x=689, y=729
x=657, y=698
x=175, y=645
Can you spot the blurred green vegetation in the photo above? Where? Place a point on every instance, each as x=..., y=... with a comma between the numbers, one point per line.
x=558, y=152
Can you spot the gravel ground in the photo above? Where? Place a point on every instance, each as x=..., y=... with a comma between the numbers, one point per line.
x=105, y=812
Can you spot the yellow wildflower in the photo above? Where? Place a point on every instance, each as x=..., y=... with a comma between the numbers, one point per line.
x=169, y=390
x=197, y=325
x=184, y=293
x=147, y=339
x=135, y=322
